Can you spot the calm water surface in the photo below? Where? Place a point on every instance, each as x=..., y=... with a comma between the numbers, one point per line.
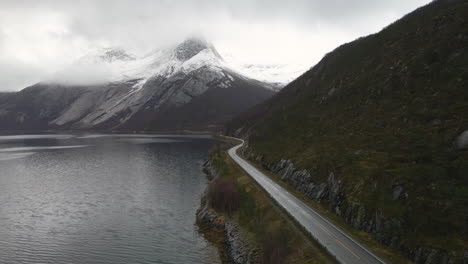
x=102, y=199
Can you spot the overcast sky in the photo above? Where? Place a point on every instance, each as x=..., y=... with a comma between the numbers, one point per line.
x=39, y=37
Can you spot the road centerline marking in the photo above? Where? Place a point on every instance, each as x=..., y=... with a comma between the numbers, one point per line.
x=345, y=247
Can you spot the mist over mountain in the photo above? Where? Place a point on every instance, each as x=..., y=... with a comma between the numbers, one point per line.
x=182, y=87
x=329, y=131
x=39, y=39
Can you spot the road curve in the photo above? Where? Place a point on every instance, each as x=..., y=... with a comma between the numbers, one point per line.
x=338, y=244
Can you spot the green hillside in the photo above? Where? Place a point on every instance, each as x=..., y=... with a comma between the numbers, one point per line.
x=382, y=112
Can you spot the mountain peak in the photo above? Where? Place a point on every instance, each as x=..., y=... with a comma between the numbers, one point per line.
x=115, y=54
x=192, y=46
x=106, y=55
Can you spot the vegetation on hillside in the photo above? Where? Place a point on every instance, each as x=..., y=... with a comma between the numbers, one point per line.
x=237, y=195
x=380, y=112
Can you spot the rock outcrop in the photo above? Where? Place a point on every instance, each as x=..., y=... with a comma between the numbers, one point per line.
x=386, y=231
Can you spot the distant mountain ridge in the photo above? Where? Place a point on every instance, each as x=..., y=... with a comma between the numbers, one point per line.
x=112, y=90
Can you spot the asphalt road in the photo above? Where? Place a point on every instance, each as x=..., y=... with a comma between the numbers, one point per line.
x=338, y=244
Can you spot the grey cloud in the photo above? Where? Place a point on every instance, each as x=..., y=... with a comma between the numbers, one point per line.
x=145, y=24
x=162, y=20
x=15, y=75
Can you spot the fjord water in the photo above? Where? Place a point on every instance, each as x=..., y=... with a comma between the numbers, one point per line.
x=102, y=199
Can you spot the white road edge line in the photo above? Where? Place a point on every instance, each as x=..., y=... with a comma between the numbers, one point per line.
x=316, y=213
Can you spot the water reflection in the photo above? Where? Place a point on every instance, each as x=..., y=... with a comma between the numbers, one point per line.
x=101, y=199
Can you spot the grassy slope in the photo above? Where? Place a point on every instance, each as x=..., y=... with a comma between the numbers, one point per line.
x=263, y=222
x=382, y=111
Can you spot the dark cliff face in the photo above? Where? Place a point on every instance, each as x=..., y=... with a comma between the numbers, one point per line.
x=387, y=115
x=206, y=112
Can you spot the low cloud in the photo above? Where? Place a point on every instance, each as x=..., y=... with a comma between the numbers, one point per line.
x=38, y=38
x=90, y=75
x=14, y=75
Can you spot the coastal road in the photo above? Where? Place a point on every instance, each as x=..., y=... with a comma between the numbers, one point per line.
x=338, y=244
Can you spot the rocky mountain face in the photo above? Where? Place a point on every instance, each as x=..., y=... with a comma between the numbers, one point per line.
x=377, y=131
x=185, y=87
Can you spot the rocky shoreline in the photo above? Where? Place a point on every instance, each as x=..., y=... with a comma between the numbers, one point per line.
x=234, y=248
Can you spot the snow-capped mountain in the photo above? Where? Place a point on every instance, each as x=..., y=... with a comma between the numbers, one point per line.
x=186, y=86
x=116, y=65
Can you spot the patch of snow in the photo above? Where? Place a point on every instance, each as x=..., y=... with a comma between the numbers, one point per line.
x=281, y=74
x=203, y=58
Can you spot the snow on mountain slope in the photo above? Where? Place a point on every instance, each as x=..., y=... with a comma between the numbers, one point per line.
x=98, y=66
x=280, y=74
x=163, y=78
x=116, y=65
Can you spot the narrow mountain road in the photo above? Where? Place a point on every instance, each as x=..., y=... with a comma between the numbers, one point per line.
x=338, y=244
